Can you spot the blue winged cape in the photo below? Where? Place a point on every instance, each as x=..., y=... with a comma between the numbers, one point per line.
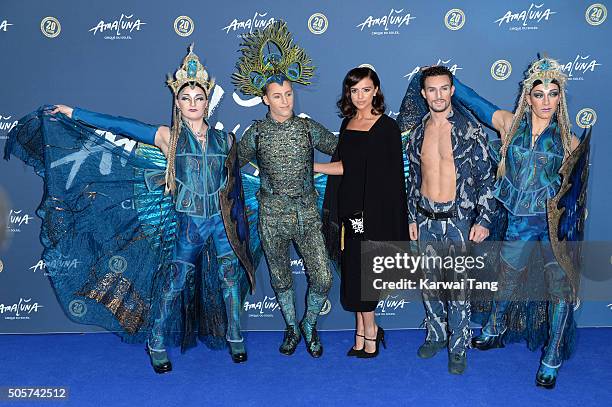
x=98, y=208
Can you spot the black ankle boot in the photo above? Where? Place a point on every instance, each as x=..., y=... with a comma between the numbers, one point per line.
x=429, y=349
x=313, y=346
x=457, y=362
x=290, y=341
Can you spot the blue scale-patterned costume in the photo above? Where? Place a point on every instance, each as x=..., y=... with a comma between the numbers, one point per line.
x=531, y=180
x=543, y=192
x=448, y=319
x=532, y=176
x=144, y=257
x=288, y=206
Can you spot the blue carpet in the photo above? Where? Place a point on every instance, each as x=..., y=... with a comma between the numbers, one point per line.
x=99, y=371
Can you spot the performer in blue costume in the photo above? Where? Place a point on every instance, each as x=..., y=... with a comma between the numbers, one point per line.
x=450, y=203
x=541, y=182
x=156, y=284
x=283, y=146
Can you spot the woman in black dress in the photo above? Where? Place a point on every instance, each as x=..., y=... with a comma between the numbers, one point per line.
x=368, y=201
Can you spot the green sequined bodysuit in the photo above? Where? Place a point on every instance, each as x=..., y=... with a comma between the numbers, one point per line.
x=288, y=210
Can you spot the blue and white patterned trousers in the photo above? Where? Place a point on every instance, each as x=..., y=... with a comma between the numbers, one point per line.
x=447, y=316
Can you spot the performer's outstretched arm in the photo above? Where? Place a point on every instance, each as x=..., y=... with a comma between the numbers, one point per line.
x=485, y=111
x=139, y=131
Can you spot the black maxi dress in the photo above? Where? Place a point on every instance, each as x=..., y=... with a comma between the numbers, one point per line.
x=373, y=182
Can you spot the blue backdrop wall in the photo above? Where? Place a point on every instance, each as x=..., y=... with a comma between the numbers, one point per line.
x=113, y=56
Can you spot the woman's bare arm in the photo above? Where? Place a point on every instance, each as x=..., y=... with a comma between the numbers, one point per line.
x=334, y=168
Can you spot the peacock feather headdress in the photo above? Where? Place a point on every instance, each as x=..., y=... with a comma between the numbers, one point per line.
x=269, y=55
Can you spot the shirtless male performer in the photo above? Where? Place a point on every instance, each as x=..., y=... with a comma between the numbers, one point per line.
x=450, y=201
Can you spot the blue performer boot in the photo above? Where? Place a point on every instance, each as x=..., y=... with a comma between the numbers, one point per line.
x=286, y=301
x=308, y=326
x=159, y=360
x=492, y=335
x=559, y=313
x=229, y=273
x=155, y=344
x=234, y=338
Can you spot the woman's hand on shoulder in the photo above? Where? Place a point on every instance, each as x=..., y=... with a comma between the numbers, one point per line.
x=66, y=110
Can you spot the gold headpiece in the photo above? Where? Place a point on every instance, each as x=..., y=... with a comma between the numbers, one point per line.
x=545, y=70
x=191, y=72
x=270, y=55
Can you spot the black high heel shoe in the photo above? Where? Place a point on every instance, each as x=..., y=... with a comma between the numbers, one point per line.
x=380, y=337
x=355, y=352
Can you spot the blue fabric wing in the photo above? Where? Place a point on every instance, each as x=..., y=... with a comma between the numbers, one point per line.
x=235, y=218
x=88, y=212
x=320, y=182
x=567, y=211
x=573, y=195
x=413, y=106
x=155, y=210
x=103, y=205
x=250, y=186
